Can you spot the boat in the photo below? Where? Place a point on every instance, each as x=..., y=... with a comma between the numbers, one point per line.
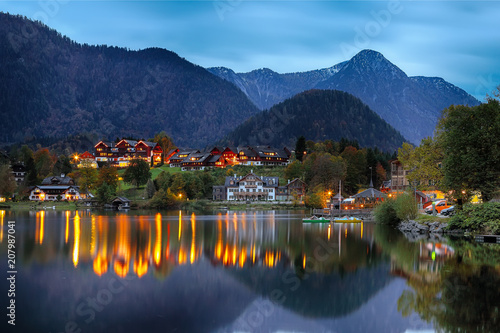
x=315, y=219
x=347, y=219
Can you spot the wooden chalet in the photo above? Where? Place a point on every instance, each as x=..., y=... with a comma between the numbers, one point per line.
x=121, y=153
x=86, y=159
x=270, y=156
x=230, y=154
x=176, y=160
x=294, y=190
x=220, y=157
x=196, y=161
x=56, y=188
x=148, y=151
x=248, y=156
x=169, y=155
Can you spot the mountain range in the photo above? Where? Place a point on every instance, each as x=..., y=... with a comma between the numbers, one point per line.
x=53, y=87
x=318, y=115
x=412, y=105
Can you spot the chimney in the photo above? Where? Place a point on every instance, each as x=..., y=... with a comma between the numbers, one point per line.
x=62, y=175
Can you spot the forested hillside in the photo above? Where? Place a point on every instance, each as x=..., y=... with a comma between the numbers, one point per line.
x=317, y=115
x=52, y=87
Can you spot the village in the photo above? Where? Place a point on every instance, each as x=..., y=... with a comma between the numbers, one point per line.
x=251, y=185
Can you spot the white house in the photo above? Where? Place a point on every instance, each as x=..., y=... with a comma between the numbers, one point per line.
x=251, y=187
x=54, y=188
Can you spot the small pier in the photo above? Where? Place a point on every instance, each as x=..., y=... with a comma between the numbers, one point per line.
x=351, y=212
x=495, y=239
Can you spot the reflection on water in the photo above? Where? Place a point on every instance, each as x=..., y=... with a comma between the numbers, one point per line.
x=129, y=244
x=221, y=266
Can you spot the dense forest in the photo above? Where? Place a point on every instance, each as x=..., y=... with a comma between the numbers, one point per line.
x=54, y=87
x=317, y=115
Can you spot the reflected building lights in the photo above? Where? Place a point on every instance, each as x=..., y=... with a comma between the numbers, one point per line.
x=141, y=261
x=192, y=255
x=42, y=226
x=137, y=243
x=158, y=234
x=122, y=246
x=66, y=231
x=2, y=216
x=76, y=239
x=100, y=263
x=180, y=224
x=93, y=236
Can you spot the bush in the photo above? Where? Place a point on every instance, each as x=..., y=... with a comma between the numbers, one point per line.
x=164, y=200
x=406, y=207
x=478, y=218
x=314, y=201
x=385, y=213
x=391, y=211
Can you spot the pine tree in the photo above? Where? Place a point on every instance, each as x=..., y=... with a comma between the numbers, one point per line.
x=300, y=148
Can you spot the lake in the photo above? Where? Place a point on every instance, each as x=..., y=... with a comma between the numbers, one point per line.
x=236, y=271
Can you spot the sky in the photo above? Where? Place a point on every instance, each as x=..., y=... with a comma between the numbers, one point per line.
x=456, y=40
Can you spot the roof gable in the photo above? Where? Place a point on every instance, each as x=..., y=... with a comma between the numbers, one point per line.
x=251, y=176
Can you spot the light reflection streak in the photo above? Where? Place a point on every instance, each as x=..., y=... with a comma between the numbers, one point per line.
x=76, y=242
x=66, y=232
x=2, y=215
x=180, y=224
x=42, y=226
x=192, y=256
x=157, y=247
x=130, y=248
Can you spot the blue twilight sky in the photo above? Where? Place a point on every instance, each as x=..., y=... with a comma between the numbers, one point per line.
x=456, y=40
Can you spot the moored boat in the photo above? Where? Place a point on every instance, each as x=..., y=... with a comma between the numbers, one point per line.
x=315, y=219
x=347, y=219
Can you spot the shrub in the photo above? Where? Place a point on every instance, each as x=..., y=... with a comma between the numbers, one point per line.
x=164, y=200
x=314, y=201
x=385, y=213
x=406, y=207
x=391, y=211
x=478, y=218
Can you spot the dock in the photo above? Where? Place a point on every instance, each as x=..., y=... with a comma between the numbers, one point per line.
x=351, y=212
x=495, y=239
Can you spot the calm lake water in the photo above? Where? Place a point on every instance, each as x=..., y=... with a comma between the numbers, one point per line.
x=241, y=272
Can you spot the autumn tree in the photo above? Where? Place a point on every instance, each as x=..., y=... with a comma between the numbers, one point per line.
x=137, y=173
x=178, y=186
x=166, y=143
x=423, y=162
x=43, y=162
x=104, y=193
x=86, y=178
x=7, y=182
x=470, y=139
x=324, y=169
x=294, y=170
x=109, y=175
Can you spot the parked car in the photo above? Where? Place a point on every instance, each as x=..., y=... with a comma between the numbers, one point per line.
x=438, y=205
x=448, y=211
